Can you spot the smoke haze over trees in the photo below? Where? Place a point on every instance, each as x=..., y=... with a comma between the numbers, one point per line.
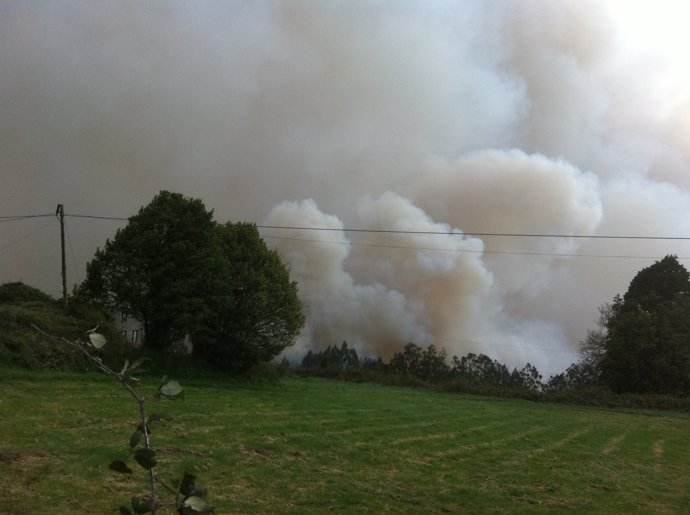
x=524, y=116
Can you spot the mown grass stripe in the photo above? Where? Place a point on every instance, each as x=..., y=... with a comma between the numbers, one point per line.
x=659, y=448
x=613, y=444
x=493, y=443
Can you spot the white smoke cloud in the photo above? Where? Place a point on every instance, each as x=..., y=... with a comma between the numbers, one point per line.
x=511, y=116
x=334, y=299
x=512, y=192
x=424, y=281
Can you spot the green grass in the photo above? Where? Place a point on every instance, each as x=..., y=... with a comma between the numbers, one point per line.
x=310, y=445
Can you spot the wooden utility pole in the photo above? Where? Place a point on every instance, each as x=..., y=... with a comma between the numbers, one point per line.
x=60, y=213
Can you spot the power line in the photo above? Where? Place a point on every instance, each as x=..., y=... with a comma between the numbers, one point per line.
x=465, y=251
x=469, y=233
x=22, y=238
x=395, y=231
x=23, y=217
x=94, y=217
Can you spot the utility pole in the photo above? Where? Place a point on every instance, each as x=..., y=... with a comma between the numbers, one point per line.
x=60, y=213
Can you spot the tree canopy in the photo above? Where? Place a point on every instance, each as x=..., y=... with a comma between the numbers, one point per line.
x=646, y=347
x=158, y=266
x=257, y=312
x=180, y=273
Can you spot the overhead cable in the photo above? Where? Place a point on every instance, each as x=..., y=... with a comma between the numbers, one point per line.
x=464, y=251
x=454, y=232
x=469, y=233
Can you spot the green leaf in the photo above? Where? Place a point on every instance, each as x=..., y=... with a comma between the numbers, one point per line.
x=138, y=362
x=146, y=452
x=125, y=511
x=188, y=485
x=131, y=380
x=135, y=439
x=120, y=466
x=140, y=505
x=171, y=389
x=196, y=503
x=145, y=458
x=97, y=340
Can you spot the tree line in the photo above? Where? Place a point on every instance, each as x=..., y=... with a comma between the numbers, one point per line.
x=429, y=364
x=641, y=346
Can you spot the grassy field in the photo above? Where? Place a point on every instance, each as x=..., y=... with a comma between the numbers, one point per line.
x=315, y=446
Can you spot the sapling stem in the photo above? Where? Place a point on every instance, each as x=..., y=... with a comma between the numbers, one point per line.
x=141, y=401
x=189, y=496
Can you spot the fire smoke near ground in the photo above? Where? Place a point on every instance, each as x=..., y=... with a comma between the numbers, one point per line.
x=430, y=121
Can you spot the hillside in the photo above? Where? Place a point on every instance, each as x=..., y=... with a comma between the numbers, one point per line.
x=23, y=307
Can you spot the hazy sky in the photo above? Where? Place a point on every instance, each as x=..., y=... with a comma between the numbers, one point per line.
x=463, y=117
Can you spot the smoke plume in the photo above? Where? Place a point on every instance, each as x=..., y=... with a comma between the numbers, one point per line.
x=438, y=125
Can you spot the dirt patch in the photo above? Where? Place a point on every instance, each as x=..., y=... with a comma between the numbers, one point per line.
x=612, y=444
x=258, y=451
x=12, y=458
x=176, y=451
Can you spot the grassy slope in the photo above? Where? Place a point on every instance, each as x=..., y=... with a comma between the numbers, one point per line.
x=21, y=345
x=316, y=446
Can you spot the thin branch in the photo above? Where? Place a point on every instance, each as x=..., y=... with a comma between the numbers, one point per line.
x=121, y=378
x=95, y=360
x=168, y=488
x=152, y=475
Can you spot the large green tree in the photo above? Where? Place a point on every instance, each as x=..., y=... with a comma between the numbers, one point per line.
x=257, y=312
x=160, y=268
x=646, y=347
x=181, y=273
